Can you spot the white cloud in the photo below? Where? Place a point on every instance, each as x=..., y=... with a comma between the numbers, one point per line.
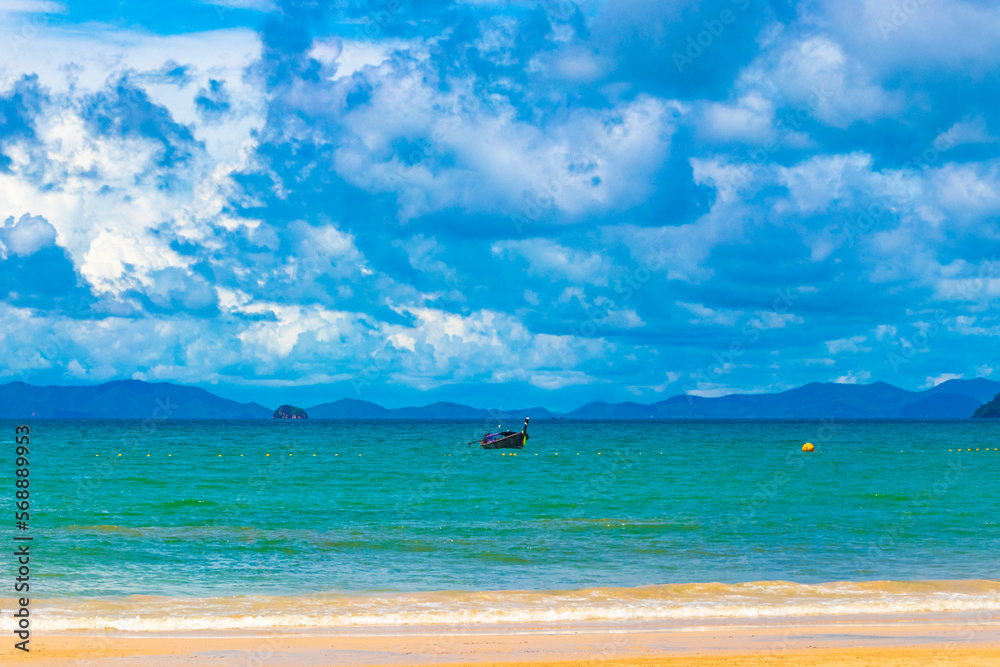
x=769, y=319
x=681, y=251
x=104, y=194
x=816, y=183
x=25, y=236
x=255, y=5
x=173, y=234
x=324, y=250
x=117, y=261
x=548, y=258
x=705, y=315
x=715, y=390
x=972, y=325
x=849, y=345
x=968, y=188
x=350, y=56
x=570, y=64
x=944, y=377
x=452, y=347
x=749, y=119
x=30, y=7
x=670, y=377
x=917, y=36
x=477, y=155
x=403, y=342
x=854, y=377
x=884, y=331
x=970, y=131
x=558, y=379
x=817, y=76
x=622, y=318
x=983, y=288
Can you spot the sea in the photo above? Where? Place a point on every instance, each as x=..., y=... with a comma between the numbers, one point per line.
x=320, y=526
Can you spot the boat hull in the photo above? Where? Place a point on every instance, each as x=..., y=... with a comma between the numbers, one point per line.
x=515, y=441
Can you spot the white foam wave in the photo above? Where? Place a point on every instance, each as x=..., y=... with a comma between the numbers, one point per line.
x=496, y=608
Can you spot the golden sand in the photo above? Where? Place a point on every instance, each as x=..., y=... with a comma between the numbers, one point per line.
x=883, y=644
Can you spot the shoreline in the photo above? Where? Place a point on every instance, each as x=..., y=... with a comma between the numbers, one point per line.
x=662, y=607
x=971, y=640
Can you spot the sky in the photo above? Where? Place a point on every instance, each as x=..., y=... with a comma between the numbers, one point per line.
x=499, y=203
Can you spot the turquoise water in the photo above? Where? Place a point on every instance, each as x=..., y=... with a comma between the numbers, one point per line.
x=356, y=509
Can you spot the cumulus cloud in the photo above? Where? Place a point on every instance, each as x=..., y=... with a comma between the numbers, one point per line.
x=25, y=236
x=503, y=193
x=819, y=80
x=36, y=271
x=439, y=150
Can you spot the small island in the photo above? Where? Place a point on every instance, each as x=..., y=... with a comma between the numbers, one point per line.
x=290, y=412
x=989, y=410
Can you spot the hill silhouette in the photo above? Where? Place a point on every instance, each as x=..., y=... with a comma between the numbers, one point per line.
x=134, y=399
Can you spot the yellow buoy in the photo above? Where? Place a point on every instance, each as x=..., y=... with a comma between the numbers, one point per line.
x=808, y=447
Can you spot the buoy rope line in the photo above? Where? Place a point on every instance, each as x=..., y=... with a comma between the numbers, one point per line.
x=808, y=447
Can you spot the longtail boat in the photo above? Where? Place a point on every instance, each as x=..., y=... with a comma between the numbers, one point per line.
x=506, y=439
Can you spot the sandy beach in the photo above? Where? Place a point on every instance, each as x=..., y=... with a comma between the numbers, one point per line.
x=965, y=641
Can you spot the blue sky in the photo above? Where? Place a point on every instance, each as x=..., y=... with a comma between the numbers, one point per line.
x=499, y=202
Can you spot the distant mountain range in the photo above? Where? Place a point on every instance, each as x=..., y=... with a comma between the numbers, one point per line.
x=954, y=399
x=133, y=399
x=123, y=399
